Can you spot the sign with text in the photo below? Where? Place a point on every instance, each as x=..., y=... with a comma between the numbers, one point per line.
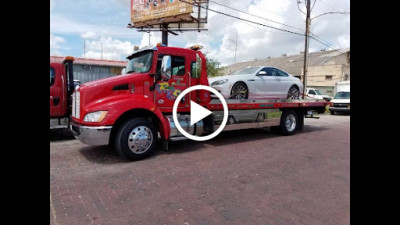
x=147, y=10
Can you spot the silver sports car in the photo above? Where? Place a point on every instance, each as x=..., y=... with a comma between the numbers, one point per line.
x=258, y=82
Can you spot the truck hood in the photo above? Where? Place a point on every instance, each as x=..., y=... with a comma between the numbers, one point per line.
x=94, y=91
x=108, y=80
x=340, y=100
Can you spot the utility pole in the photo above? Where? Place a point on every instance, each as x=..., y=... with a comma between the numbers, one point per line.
x=101, y=45
x=235, y=46
x=149, y=37
x=308, y=21
x=164, y=34
x=84, y=48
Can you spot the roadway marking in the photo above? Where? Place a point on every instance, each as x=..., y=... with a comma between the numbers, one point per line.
x=53, y=211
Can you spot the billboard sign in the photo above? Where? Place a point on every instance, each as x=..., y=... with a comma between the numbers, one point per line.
x=148, y=10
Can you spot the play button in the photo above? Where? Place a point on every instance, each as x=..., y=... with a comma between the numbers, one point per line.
x=198, y=112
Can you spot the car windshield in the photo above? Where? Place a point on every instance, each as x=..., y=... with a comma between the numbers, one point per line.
x=342, y=95
x=318, y=92
x=140, y=63
x=247, y=70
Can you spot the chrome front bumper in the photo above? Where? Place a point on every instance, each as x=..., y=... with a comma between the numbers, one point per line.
x=339, y=109
x=99, y=135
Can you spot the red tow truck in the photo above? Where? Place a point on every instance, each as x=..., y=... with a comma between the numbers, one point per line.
x=61, y=88
x=129, y=112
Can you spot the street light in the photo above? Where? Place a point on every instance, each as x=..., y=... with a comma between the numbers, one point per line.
x=308, y=22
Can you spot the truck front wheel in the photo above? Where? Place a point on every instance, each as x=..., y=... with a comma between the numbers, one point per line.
x=136, y=139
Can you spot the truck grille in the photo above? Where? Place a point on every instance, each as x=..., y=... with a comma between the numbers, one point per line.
x=340, y=105
x=76, y=97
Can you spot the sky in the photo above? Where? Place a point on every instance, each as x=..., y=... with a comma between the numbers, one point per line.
x=97, y=29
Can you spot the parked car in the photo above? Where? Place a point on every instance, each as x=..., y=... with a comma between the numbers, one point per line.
x=341, y=100
x=316, y=94
x=258, y=82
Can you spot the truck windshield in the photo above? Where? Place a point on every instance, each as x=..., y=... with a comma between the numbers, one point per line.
x=247, y=70
x=342, y=95
x=140, y=63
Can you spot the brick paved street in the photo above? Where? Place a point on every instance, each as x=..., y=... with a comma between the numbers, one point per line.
x=240, y=177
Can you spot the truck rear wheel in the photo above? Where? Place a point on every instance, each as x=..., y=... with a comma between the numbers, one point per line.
x=136, y=139
x=289, y=123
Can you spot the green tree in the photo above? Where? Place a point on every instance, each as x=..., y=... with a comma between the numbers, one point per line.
x=213, y=67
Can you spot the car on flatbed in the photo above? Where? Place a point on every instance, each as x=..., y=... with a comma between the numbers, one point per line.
x=258, y=82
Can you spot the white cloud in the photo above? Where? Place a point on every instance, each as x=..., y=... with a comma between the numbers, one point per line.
x=89, y=35
x=56, y=44
x=108, y=48
x=253, y=41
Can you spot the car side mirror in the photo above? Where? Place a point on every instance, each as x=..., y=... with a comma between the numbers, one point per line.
x=166, y=67
x=262, y=73
x=123, y=71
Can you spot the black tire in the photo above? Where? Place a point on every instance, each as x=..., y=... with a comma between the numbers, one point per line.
x=136, y=139
x=332, y=112
x=289, y=123
x=293, y=93
x=239, y=91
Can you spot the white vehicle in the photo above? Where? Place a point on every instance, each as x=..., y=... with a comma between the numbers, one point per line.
x=316, y=94
x=258, y=82
x=341, y=100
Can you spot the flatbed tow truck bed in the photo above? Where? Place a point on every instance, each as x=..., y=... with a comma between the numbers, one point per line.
x=247, y=113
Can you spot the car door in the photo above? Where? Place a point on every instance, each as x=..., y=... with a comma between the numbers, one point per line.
x=284, y=82
x=265, y=84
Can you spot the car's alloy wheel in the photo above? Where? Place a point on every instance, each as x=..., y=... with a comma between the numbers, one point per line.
x=239, y=91
x=293, y=93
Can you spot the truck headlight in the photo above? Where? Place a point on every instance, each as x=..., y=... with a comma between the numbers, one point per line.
x=97, y=116
x=219, y=82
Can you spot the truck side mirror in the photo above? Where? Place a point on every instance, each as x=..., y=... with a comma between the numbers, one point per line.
x=166, y=67
x=262, y=73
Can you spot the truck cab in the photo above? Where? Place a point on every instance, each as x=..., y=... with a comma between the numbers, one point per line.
x=313, y=93
x=61, y=88
x=341, y=100
x=101, y=107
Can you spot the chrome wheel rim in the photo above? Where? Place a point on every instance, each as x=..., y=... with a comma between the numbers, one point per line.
x=140, y=139
x=290, y=122
x=239, y=92
x=293, y=93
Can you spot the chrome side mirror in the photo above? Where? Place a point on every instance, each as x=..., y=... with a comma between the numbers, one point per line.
x=123, y=71
x=166, y=67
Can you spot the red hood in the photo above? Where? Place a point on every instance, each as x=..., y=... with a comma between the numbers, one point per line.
x=94, y=91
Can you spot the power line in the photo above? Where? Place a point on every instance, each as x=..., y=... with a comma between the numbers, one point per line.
x=255, y=15
x=260, y=24
x=298, y=2
x=225, y=14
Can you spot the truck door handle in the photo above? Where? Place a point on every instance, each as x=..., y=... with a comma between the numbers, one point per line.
x=56, y=101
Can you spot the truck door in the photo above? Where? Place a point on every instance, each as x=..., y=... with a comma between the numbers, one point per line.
x=167, y=91
x=56, y=90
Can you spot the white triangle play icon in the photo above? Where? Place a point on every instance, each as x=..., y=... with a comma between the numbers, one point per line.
x=197, y=112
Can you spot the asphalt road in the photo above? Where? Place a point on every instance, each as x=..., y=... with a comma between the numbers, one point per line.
x=240, y=177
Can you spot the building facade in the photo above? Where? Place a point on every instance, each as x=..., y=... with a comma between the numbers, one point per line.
x=86, y=70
